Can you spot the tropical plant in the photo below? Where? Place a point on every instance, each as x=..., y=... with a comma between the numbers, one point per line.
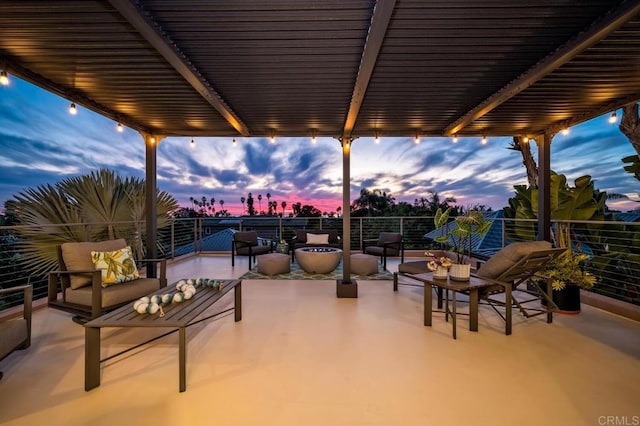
x=458, y=235
x=92, y=207
x=581, y=202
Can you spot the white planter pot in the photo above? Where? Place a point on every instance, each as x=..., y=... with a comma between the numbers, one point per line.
x=440, y=273
x=460, y=272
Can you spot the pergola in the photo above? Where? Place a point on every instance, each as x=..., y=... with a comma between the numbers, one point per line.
x=339, y=68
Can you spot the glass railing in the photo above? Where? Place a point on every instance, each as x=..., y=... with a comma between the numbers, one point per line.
x=614, y=247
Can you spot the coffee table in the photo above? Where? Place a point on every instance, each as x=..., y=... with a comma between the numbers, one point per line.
x=177, y=316
x=318, y=260
x=470, y=287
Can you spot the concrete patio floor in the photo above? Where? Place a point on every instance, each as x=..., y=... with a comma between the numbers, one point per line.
x=300, y=356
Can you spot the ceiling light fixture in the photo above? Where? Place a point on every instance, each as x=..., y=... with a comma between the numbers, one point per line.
x=455, y=139
x=120, y=128
x=484, y=140
x=4, y=78
x=72, y=109
x=613, y=117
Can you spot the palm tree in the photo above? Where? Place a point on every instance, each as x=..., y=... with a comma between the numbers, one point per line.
x=260, y=203
x=338, y=210
x=104, y=205
x=242, y=200
x=221, y=206
x=269, y=202
x=283, y=204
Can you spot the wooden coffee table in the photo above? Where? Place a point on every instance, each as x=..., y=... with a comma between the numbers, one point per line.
x=178, y=316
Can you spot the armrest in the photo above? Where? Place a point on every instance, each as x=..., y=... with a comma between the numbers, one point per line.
x=27, y=307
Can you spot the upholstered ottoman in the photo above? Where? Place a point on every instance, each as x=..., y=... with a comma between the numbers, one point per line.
x=364, y=264
x=274, y=263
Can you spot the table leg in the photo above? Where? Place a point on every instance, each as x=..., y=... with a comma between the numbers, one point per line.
x=473, y=309
x=428, y=300
x=183, y=358
x=439, y=290
x=91, y=358
x=237, y=302
x=446, y=305
x=453, y=316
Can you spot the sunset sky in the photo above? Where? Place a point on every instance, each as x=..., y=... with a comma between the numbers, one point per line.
x=40, y=142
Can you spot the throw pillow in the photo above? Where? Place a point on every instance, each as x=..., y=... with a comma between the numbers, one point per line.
x=317, y=238
x=116, y=266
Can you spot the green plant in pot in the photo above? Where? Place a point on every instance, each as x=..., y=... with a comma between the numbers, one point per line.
x=581, y=202
x=459, y=238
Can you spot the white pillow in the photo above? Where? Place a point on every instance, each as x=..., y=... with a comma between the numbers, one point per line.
x=317, y=238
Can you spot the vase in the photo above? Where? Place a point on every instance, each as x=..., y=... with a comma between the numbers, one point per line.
x=440, y=273
x=567, y=299
x=460, y=272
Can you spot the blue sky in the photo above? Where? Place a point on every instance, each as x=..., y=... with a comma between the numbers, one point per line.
x=40, y=142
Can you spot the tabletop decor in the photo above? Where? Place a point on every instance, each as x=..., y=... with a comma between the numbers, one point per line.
x=438, y=265
x=186, y=290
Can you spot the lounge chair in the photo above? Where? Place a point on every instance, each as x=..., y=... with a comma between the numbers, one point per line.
x=387, y=244
x=245, y=243
x=15, y=333
x=83, y=292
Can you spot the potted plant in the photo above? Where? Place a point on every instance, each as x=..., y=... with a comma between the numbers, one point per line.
x=458, y=237
x=581, y=202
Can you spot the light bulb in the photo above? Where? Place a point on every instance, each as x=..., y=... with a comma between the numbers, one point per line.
x=120, y=128
x=193, y=143
x=613, y=117
x=416, y=140
x=525, y=139
x=4, y=78
x=313, y=140
x=484, y=140
x=234, y=142
x=565, y=131
x=455, y=138
x=377, y=139
x=72, y=109
x=273, y=139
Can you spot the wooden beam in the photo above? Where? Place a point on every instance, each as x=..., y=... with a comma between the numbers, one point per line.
x=151, y=32
x=559, y=57
x=379, y=24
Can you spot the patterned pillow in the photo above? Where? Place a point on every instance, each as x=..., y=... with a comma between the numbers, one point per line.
x=117, y=266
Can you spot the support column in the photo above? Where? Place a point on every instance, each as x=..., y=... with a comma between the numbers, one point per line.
x=544, y=186
x=151, y=201
x=346, y=287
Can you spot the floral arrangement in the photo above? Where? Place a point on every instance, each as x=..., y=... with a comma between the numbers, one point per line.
x=436, y=261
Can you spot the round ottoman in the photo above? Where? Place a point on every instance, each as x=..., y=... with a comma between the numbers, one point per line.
x=274, y=263
x=364, y=264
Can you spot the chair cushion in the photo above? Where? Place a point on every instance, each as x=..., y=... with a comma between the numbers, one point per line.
x=77, y=257
x=117, y=266
x=317, y=238
x=247, y=236
x=509, y=256
x=115, y=294
x=389, y=237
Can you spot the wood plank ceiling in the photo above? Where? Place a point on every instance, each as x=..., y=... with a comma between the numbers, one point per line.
x=331, y=67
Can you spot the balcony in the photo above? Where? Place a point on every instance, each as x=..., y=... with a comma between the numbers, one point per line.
x=302, y=356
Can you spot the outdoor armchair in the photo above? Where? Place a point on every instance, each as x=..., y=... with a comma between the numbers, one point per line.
x=81, y=286
x=245, y=243
x=387, y=244
x=15, y=333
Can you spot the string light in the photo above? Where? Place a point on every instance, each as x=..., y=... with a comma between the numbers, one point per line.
x=313, y=137
x=416, y=140
x=525, y=139
x=234, y=142
x=483, y=141
x=613, y=117
x=152, y=140
x=376, y=137
x=273, y=137
x=4, y=78
x=455, y=139
x=193, y=143
x=565, y=131
x=72, y=109
x=120, y=128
